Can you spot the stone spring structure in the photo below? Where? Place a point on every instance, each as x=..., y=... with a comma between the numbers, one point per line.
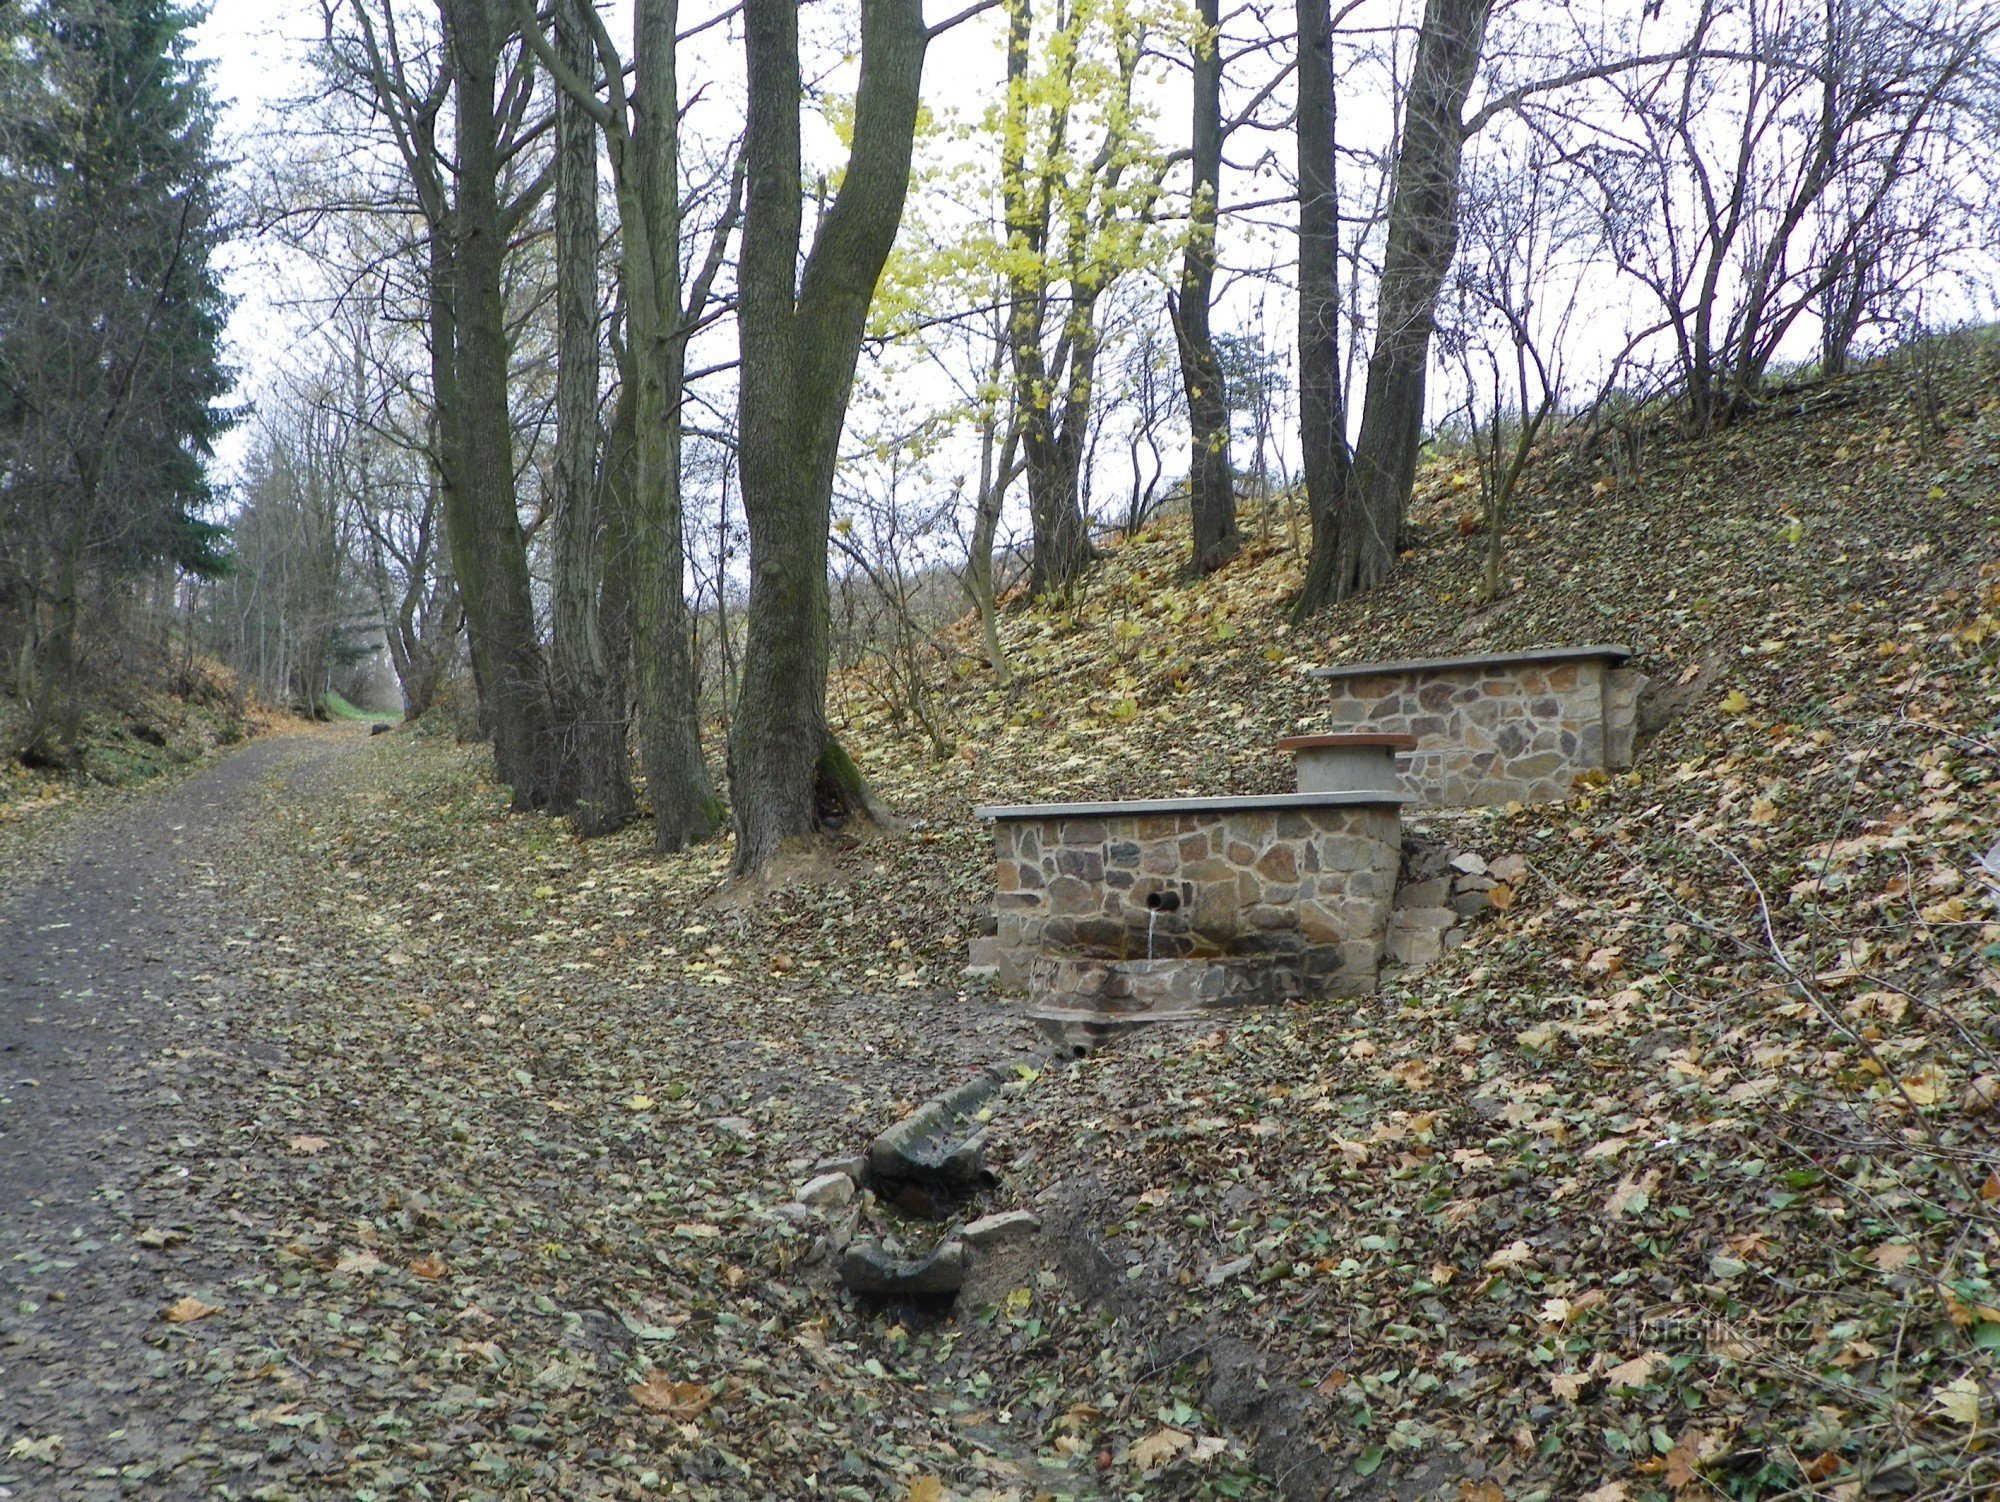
x=1195, y=902
x=1503, y=728
x=1162, y=908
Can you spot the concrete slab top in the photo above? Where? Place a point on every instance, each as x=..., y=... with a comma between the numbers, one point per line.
x=1363, y=799
x=1612, y=654
x=1342, y=742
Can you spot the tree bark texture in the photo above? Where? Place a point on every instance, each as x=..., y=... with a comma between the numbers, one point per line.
x=685, y=807
x=1357, y=550
x=800, y=336
x=1211, y=481
x=588, y=688
x=489, y=554
x=1326, y=458
x=1051, y=437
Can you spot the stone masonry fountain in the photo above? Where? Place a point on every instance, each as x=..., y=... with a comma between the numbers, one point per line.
x=1164, y=908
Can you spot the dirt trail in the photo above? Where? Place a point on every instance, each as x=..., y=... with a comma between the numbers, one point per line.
x=447, y=1131
x=114, y=958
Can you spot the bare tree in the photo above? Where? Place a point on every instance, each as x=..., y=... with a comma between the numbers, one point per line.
x=472, y=202
x=1772, y=175
x=589, y=688
x=1357, y=524
x=1211, y=481
x=641, y=129
x=800, y=326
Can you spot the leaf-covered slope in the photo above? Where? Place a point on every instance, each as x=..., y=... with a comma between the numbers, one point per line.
x=1674, y=1180
x=1681, y=1174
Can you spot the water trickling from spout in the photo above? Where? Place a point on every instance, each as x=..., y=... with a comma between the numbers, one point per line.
x=1152, y=917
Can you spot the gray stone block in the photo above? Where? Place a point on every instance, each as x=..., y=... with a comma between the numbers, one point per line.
x=1422, y=920
x=828, y=1191
x=868, y=1267
x=1414, y=948
x=1007, y=1225
x=1430, y=893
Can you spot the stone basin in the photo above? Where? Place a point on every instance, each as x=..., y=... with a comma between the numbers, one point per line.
x=1299, y=882
x=1065, y=988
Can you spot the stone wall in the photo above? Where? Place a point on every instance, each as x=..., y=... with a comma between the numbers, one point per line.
x=1513, y=727
x=1302, y=880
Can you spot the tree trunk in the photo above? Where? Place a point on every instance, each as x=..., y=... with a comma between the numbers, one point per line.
x=994, y=474
x=1356, y=553
x=800, y=336
x=489, y=554
x=588, y=687
x=1327, y=460
x=685, y=808
x=1060, y=540
x=1211, y=480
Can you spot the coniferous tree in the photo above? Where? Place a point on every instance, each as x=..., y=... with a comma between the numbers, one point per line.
x=110, y=326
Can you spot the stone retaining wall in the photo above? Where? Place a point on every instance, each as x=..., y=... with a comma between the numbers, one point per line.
x=1305, y=880
x=1511, y=727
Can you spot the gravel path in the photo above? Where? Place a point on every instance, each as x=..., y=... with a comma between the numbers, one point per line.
x=114, y=969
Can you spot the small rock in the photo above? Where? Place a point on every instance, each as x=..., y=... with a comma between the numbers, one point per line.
x=380, y=728
x=989, y=1230
x=1982, y=1095
x=868, y=1267
x=1222, y=1272
x=795, y=1215
x=1474, y=884
x=1508, y=868
x=1430, y=893
x=827, y=1191
x=736, y=1126
x=1433, y=919
x=1468, y=864
x=854, y=1167
x=1470, y=904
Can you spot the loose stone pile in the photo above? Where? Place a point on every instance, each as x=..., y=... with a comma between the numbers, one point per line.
x=928, y=1166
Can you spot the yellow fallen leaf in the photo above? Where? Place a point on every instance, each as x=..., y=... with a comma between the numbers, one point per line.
x=309, y=1145
x=1959, y=1402
x=1159, y=1447
x=1568, y=1386
x=925, y=1489
x=358, y=1263
x=639, y=1103
x=659, y=1393
x=1635, y=1373
x=430, y=1265
x=1735, y=701
x=187, y=1309
x=1632, y=1195
x=697, y=1231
